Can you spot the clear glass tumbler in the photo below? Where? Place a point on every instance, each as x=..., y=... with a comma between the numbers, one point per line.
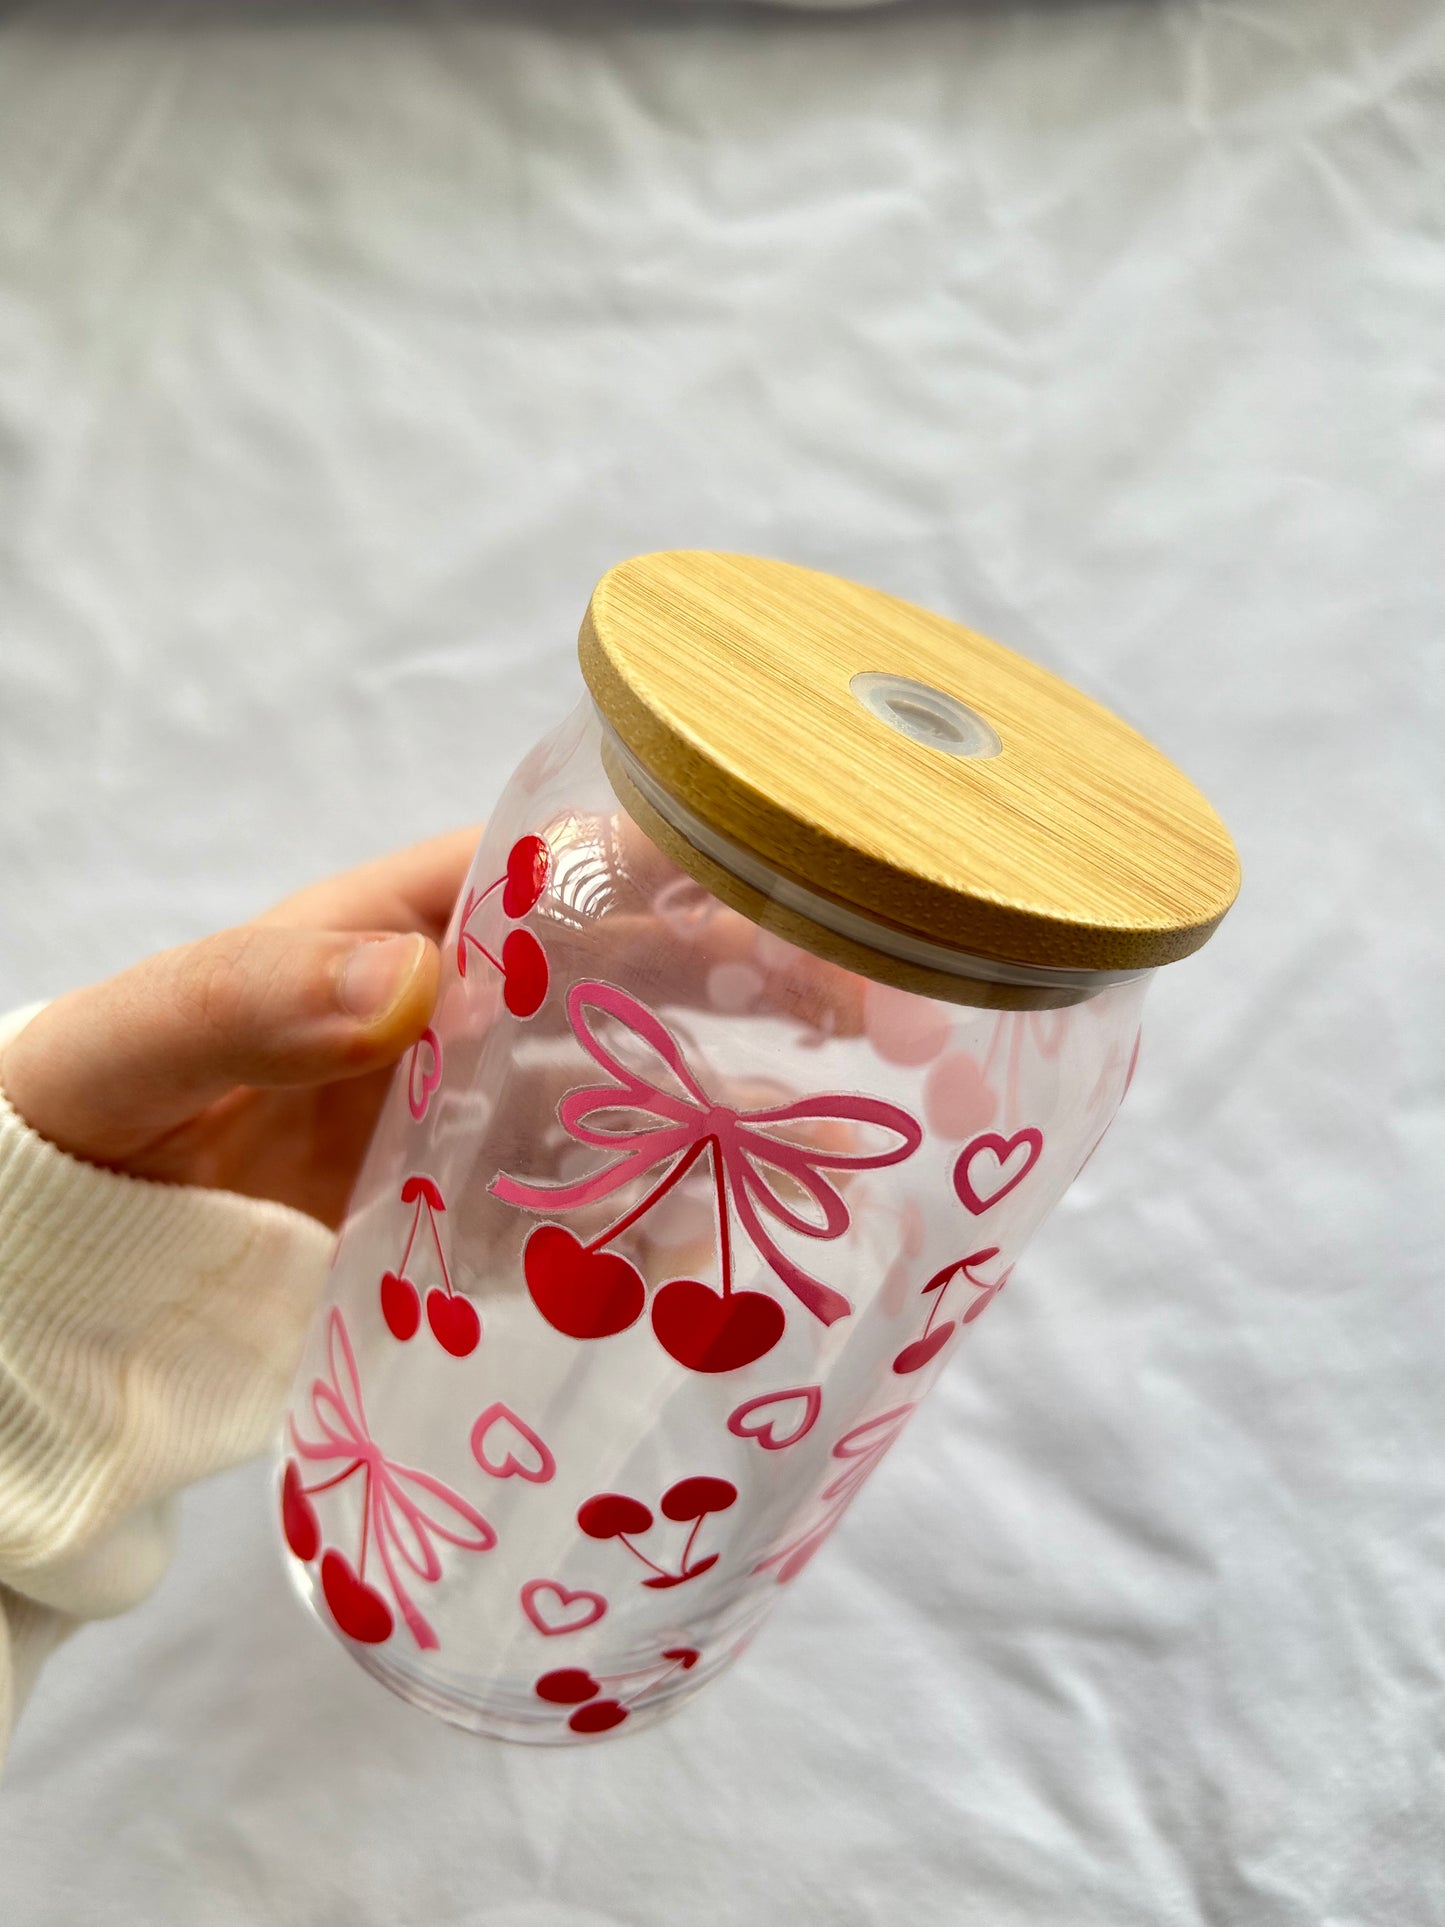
x=667, y=1227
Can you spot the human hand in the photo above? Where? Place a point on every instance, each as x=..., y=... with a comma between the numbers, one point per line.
x=254, y=1060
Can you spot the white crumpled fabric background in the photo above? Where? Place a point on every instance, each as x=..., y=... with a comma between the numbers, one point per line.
x=341, y=348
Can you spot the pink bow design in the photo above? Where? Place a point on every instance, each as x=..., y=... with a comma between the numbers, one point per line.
x=404, y=1509
x=675, y=1129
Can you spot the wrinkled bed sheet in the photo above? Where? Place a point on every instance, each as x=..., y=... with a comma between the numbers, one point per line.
x=341, y=347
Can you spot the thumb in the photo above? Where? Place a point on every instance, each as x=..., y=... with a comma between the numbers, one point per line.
x=105, y=1071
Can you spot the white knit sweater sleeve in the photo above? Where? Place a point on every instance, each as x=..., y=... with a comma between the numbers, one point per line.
x=148, y=1333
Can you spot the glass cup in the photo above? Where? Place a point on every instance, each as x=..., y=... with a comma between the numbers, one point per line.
x=666, y=1228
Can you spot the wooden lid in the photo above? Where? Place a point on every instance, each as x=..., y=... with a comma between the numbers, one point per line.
x=1016, y=820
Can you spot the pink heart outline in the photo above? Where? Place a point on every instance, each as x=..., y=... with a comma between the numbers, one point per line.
x=535, y=1588
x=417, y=1101
x=511, y=1467
x=1001, y=1149
x=766, y=1434
x=875, y=1434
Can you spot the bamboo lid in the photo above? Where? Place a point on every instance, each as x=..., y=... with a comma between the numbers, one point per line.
x=888, y=765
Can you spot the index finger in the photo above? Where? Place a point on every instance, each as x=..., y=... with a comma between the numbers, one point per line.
x=410, y=889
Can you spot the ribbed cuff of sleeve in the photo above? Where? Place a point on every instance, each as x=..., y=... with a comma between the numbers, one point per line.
x=148, y=1334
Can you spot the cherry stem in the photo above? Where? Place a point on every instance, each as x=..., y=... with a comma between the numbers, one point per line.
x=674, y=1176
x=986, y=1285
x=692, y=1537
x=467, y=937
x=724, y=1232
x=660, y=1570
x=411, y=1239
x=325, y=1485
x=441, y=1259
x=475, y=903
x=616, y=1679
x=365, y=1524
x=943, y=1290
x=647, y=1686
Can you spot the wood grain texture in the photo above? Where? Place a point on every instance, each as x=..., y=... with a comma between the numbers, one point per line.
x=1080, y=846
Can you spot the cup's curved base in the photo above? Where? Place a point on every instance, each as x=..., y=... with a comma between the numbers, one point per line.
x=503, y=1709
x=514, y=1720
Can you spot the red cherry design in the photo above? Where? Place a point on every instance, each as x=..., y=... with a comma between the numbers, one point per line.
x=707, y=1332
x=454, y=1322
x=611, y=1514
x=298, y=1515
x=568, y=1686
x=524, y=973
x=419, y=1185
x=600, y=1716
x=400, y=1306
x=358, y=1609
x=685, y=1656
x=914, y=1357
x=951, y=1271
x=695, y=1498
x=664, y=1580
x=586, y=1294
x=528, y=862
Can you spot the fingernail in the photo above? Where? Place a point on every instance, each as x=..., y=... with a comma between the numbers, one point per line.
x=376, y=975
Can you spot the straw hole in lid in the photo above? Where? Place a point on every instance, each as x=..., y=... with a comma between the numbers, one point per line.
x=925, y=715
